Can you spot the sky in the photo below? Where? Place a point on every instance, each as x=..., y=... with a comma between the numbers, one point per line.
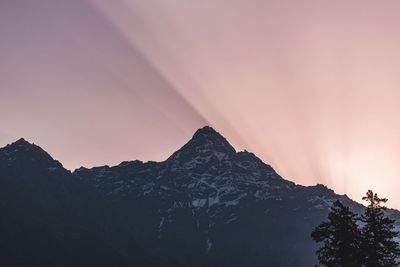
x=311, y=87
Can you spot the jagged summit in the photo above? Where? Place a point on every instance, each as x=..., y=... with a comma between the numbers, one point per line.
x=204, y=141
x=20, y=145
x=24, y=151
x=206, y=131
x=21, y=142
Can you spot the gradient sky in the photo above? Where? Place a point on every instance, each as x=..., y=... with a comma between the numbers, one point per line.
x=312, y=87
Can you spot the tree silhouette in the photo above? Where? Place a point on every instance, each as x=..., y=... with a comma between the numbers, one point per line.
x=340, y=237
x=378, y=245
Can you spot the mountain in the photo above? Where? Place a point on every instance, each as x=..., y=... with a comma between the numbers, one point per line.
x=206, y=205
x=49, y=218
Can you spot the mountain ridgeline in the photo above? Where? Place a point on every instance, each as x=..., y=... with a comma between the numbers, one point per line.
x=206, y=205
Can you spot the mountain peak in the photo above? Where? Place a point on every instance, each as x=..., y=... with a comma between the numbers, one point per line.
x=21, y=142
x=206, y=131
x=209, y=133
x=204, y=141
x=24, y=151
x=207, y=137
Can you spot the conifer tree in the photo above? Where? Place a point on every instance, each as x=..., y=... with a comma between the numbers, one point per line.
x=340, y=237
x=378, y=244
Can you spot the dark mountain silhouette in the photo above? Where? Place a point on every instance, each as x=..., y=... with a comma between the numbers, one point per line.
x=206, y=205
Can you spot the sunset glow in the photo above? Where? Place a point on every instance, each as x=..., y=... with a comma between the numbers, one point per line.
x=311, y=87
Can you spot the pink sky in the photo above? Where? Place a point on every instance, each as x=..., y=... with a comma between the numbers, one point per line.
x=312, y=87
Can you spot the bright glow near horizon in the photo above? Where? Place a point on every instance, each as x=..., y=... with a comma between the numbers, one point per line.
x=311, y=87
